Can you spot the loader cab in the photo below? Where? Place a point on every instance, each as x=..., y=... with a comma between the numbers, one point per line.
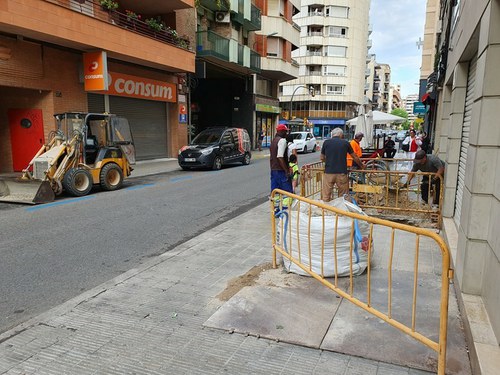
x=102, y=134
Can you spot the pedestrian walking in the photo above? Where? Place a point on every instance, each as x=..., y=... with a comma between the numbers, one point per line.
x=411, y=145
x=334, y=154
x=260, y=139
x=278, y=160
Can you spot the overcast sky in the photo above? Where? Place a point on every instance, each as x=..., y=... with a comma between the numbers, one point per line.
x=397, y=25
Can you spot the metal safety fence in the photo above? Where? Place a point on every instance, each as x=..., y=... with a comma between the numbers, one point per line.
x=381, y=190
x=327, y=242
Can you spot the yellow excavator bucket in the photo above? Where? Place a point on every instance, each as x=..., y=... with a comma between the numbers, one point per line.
x=25, y=191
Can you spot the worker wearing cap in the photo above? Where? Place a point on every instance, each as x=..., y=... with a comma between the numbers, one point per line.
x=279, y=162
x=427, y=163
x=356, y=147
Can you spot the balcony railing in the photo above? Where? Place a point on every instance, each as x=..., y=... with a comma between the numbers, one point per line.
x=127, y=22
x=211, y=44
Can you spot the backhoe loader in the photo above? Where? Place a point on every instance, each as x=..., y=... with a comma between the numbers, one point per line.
x=86, y=149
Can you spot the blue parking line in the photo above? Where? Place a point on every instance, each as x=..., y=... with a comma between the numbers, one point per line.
x=177, y=179
x=139, y=187
x=66, y=201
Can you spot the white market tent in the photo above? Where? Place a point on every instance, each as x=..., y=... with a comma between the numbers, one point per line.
x=365, y=123
x=378, y=118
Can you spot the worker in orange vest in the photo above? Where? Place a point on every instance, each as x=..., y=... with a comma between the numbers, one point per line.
x=355, y=144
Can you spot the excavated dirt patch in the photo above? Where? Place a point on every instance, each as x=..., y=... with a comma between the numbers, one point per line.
x=248, y=279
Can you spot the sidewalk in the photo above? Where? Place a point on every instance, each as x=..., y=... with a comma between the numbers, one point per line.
x=152, y=320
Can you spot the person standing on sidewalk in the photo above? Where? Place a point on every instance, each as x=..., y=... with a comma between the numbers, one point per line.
x=278, y=152
x=260, y=139
x=334, y=154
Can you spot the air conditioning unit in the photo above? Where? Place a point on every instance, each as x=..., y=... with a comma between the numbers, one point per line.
x=222, y=17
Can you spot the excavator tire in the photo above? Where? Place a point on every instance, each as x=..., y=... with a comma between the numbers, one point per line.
x=111, y=177
x=77, y=182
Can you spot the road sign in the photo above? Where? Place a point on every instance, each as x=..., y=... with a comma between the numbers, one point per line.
x=182, y=118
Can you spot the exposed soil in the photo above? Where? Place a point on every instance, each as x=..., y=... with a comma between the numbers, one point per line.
x=248, y=279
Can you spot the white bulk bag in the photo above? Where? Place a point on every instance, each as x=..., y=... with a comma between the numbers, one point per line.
x=316, y=237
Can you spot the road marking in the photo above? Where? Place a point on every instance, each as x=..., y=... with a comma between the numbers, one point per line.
x=66, y=201
x=138, y=187
x=177, y=179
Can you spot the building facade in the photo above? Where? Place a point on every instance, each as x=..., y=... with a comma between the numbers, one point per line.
x=243, y=52
x=332, y=64
x=42, y=72
x=467, y=95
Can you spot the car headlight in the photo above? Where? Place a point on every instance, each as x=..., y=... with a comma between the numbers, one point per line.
x=207, y=151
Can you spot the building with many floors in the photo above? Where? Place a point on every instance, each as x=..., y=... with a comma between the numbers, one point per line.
x=48, y=52
x=332, y=64
x=243, y=52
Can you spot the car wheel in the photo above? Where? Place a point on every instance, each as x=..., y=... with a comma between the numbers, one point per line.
x=314, y=148
x=111, y=177
x=305, y=150
x=77, y=182
x=217, y=163
x=246, y=159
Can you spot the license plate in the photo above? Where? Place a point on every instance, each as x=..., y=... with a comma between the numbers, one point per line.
x=192, y=160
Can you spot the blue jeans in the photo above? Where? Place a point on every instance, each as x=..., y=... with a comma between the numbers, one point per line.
x=280, y=180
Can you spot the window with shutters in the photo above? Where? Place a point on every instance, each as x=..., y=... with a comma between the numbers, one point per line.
x=337, y=11
x=337, y=51
x=334, y=70
x=337, y=31
x=335, y=89
x=273, y=47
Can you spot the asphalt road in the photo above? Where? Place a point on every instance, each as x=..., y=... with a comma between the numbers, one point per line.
x=52, y=253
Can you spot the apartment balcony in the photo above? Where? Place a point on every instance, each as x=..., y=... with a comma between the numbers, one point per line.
x=86, y=26
x=312, y=40
x=278, y=69
x=314, y=20
x=279, y=27
x=249, y=18
x=367, y=72
x=376, y=77
x=227, y=53
x=209, y=4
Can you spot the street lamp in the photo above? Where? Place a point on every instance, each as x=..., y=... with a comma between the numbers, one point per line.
x=311, y=92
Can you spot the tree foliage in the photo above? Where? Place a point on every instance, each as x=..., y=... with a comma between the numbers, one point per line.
x=402, y=113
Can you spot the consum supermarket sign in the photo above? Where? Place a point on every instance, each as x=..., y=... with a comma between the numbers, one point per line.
x=142, y=88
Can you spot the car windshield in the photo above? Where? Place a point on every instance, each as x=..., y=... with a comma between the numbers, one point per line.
x=401, y=134
x=209, y=136
x=297, y=135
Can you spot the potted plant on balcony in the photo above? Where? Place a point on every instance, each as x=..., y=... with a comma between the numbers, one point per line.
x=108, y=5
x=132, y=16
x=155, y=24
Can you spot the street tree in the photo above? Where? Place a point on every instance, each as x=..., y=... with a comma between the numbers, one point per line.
x=402, y=113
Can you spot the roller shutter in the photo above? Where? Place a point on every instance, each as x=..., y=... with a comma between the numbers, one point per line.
x=464, y=145
x=148, y=121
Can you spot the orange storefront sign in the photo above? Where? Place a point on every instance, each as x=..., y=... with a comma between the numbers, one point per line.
x=142, y=88
x=95, y=71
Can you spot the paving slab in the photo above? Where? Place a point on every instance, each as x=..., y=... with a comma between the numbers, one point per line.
x=357, y=332
x=299, y=315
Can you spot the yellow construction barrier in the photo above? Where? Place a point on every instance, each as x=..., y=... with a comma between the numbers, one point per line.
x=382, y=193
x=288, y=244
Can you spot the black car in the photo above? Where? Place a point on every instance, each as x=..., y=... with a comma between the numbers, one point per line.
x=214, y=147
